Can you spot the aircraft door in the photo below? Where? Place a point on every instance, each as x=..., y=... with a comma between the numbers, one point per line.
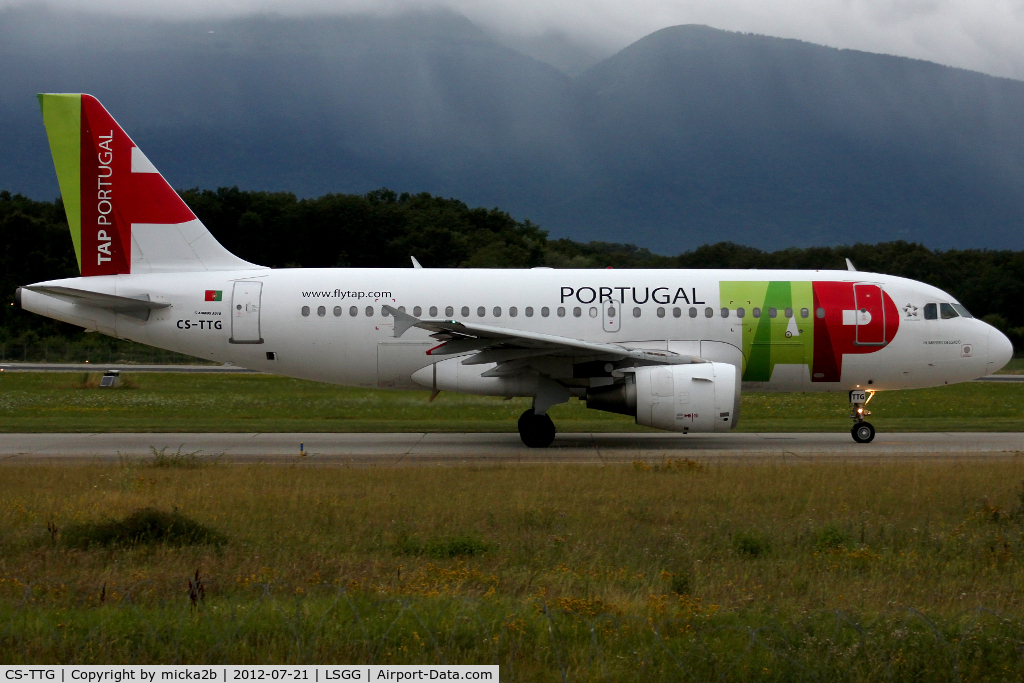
x=869, y=315
x=245, y=312
x=611, y=315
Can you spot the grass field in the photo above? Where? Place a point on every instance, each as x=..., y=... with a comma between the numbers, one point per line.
x=154, y=402
x=1014, y=367
x=684, y=571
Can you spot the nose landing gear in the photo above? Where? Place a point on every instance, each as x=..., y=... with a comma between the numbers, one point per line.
x=862, y=431
x=536, y=431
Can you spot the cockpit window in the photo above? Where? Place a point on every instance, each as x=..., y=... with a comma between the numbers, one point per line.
x=931, y=311
x=947, y=312
x=962, y=311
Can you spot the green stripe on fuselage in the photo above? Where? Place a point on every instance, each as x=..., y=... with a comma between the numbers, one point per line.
x=62, y=116
x=769, y=341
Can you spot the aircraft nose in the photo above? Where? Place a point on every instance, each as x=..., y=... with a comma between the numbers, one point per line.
x=1000, y=350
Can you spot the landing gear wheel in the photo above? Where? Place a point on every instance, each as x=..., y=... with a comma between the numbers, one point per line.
x=536, y=431
x=863, y=432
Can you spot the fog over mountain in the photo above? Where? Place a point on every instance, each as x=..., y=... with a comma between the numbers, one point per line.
x=689, y=135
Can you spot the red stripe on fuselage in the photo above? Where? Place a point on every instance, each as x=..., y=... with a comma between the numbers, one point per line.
x=832, y=338
x=113, y=197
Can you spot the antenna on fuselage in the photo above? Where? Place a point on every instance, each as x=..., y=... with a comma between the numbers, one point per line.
x=416, y=264
x=849, y=264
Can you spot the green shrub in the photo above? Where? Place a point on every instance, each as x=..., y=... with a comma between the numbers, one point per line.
x=680, y=583
x=748, y=543
x=178, y=460
x=463, y=545
x=145, y=526
x=831, y=537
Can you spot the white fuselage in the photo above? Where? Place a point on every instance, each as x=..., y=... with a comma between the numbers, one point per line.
x=328, y=325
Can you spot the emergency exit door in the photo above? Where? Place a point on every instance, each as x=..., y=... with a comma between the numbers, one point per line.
x=870, y=315
x=611, y=315
x=245, y=313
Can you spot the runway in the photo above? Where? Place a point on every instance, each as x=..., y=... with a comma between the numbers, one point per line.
x=234, y=369
x=124, y=367
x=437, y=449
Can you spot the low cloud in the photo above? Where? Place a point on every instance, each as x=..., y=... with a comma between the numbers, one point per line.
x=983, y=35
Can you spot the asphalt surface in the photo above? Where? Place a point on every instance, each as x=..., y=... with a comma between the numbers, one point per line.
x=100, y=367
x=426, y=449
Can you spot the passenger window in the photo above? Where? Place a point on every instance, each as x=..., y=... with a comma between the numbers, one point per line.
x=353, y=311
x=465, y=311
x=561, y=311
x=593, y=312
x=757, y=312
x=337, y=311
x=402, y=309
x=481, y=311
x=677, y=312
x=661, y=312
x=962, y=311
x=529, y=311
x=513, y=311
x=417, y=311
x=725, y=312
x=946, y=312
x=709, y=312
x=369, y=311
x=433, y=311
x=693, y=312
x=636, y=312
x=820, y=313
x=789, y=313
x=322, y=311
x=384, y=312
x=931, y=311
x=545, y=312
x=305, y=311
x=772, y=312
x=449, y=311
x=577, y=312
x=497, y=311
x=741, y=312
x=804, y=313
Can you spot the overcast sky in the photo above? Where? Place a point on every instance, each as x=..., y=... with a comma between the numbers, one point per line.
x=984, y=35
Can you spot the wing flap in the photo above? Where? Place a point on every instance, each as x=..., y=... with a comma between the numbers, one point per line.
x=496, y=344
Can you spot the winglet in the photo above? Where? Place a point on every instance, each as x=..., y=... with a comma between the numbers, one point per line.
x=849, y=265
x=415, y=263
x=403, y=321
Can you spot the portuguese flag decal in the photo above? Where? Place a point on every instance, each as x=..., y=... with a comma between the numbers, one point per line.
x=214, y=295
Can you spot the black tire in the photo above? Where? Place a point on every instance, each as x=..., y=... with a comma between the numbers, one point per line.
x=863, y=432
x=536, y=431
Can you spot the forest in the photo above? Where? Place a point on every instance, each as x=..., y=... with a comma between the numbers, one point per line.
x=383, y=229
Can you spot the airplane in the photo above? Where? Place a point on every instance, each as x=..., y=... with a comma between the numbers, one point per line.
x=672, y=348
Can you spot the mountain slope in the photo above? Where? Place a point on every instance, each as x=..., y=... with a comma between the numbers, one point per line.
x=741, y=137
x=689, y=135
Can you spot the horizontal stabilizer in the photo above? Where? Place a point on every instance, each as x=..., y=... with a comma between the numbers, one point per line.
x=135, y=307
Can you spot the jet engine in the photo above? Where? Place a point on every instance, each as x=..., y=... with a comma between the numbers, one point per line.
x=696, y=397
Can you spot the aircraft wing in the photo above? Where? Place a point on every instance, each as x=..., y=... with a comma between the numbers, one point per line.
x=501, y=344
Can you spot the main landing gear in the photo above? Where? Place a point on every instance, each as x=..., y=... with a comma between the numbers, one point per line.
x=536, y=431
x=863, y=432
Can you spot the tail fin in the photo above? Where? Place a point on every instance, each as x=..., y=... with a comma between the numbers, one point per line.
x=124, y=217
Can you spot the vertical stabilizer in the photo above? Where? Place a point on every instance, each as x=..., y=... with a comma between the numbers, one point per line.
x=124, y=217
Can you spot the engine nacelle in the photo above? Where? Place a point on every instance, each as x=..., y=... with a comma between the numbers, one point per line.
x=697, y=397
